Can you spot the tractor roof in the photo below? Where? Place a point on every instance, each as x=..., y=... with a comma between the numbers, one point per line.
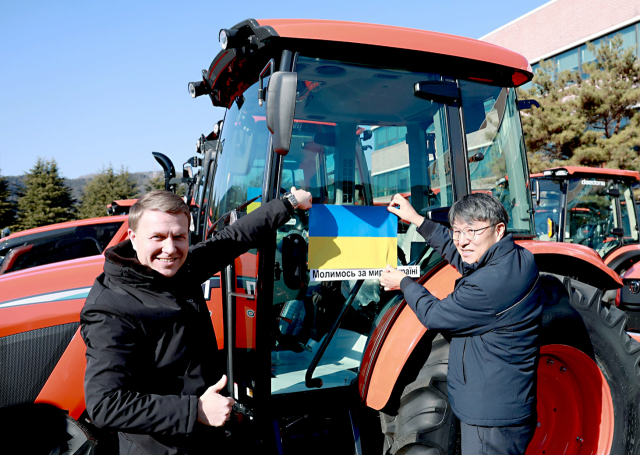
x=65, y=225
x=589, y=172
x=351, y=41
x=399, y=38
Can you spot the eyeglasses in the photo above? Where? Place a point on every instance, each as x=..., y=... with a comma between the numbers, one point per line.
x=469, y=234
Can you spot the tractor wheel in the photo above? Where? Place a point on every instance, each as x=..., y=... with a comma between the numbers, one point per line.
x=424, y=424
x=588, y=376
x=588, y=386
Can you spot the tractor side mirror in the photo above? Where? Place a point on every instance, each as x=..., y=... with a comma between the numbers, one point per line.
x=618, y=232
x=536, y=193
x=281, y=107
x=613, y=192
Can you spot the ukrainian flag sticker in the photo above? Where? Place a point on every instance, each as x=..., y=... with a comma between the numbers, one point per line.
x=351, y=242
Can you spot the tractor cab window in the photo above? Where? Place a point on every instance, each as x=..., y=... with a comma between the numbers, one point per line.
x=496, y=150
x=628, y=213
x=548, y=211
x=55, y=246
x=591, y=214
x=359, y=137
x=240, y=162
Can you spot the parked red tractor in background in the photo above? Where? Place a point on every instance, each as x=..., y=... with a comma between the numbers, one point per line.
x=594, y=207
x=354, y=113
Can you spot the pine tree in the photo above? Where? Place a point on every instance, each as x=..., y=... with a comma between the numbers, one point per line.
x=553, y=130
x=46, y=199
x=608, y=99
x=586, y=118
x=155, y=183
x=104, y=188
x=8, y=207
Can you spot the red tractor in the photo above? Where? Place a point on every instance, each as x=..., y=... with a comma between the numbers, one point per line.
x=355, y=113
x=594, y=207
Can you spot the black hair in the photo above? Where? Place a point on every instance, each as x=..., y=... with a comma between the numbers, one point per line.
x=479, y=207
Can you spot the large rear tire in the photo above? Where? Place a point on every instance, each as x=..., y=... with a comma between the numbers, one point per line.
x=588, y=384
x=424, y=423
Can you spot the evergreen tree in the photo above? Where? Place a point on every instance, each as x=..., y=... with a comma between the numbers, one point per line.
x=46, y=199
x=104, y=188
x=586, y=118
x=155, y=183
x=8, y=207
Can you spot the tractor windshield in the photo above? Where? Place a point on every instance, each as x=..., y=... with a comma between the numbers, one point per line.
x=593, y=212
x=496, y=150
x=361, y=136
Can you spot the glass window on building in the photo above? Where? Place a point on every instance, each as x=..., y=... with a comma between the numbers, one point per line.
x=628, y=36
x=629, y=39
x=389, y=135
x=586, y=55
x=568, y=60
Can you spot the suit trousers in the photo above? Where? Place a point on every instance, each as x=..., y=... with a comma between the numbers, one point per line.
x=511, y=440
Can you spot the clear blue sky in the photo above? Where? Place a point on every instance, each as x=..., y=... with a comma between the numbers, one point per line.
x=94, y=83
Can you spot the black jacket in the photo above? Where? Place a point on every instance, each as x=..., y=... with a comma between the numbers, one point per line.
x=493, y=316
x=151, y=348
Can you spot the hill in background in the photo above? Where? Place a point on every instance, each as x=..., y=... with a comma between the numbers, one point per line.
x=76, y=185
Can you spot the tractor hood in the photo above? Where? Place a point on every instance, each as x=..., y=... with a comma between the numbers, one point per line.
x=48, y=295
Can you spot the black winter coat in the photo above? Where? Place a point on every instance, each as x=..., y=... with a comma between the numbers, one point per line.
x=151, y=348
x=493, y=316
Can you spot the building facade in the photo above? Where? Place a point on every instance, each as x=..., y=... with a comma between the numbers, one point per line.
x=560, y=29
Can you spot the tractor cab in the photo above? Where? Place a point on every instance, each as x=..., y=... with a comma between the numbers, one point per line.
x=588, y=206
x=352, y=121
x=354, y=114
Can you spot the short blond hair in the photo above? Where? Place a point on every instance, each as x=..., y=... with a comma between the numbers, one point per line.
x=158, y=200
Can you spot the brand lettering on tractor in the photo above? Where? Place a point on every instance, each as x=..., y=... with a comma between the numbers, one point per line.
x=592, y=182
x=250, y=287
x=207, y=285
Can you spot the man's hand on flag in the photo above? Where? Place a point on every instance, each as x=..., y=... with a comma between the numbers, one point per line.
x=391, y=278
x=400, y=207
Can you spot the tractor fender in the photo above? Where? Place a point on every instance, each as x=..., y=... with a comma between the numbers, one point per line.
x=622, y=258
x=393, y=343
x=578, y=261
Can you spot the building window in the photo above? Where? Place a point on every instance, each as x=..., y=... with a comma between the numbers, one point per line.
x=568, y=60
x=386, y=136
x=392, y=182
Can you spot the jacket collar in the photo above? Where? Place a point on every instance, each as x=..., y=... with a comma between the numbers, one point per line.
x=504, y=246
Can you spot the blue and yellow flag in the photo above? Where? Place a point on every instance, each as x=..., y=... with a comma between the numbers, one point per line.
x=352, y=237
x=251, y=193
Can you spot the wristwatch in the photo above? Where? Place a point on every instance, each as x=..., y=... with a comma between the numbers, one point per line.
x=291, y=199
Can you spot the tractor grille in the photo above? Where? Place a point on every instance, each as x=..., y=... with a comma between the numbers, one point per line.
x=27, y=359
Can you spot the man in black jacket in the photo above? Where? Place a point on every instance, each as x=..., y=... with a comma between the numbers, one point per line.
x=153, y=369
x=493, y=317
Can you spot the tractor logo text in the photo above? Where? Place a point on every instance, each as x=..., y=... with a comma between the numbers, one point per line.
x=592, y=182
